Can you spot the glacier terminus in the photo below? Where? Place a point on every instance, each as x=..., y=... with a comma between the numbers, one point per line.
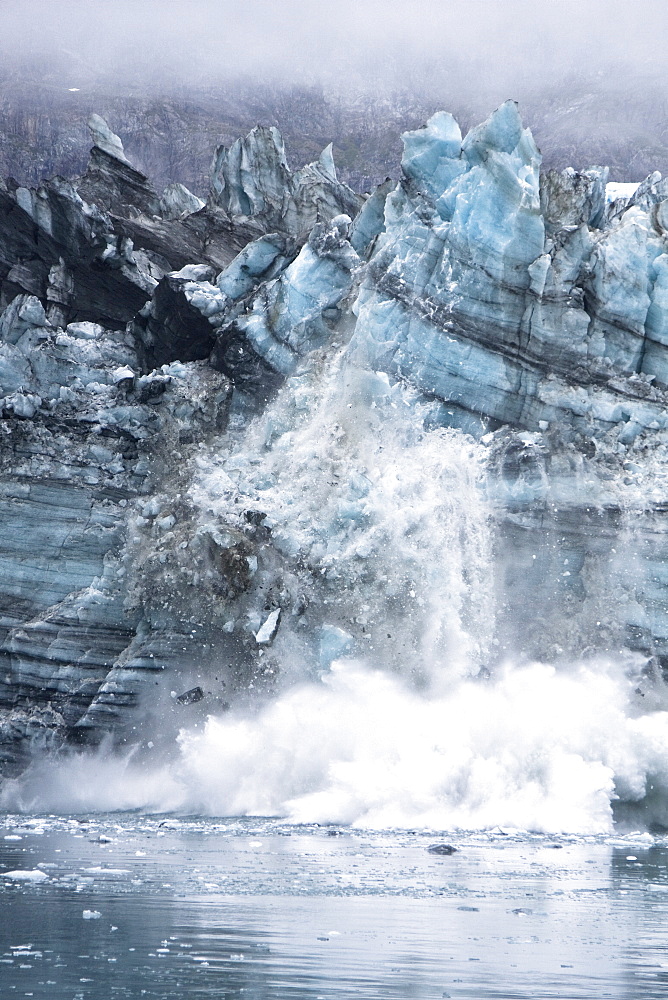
x=289, y=438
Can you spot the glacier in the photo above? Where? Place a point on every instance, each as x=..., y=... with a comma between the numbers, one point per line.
x=246, y=439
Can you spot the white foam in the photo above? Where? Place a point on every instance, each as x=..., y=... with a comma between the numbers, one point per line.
x=534, y=749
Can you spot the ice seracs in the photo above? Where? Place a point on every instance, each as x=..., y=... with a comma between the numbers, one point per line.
x=293, y=314
x=111, y=181
x=252, y=179
x=105, y=139
x=252, y=176
x=176, y=201
x=489, y=288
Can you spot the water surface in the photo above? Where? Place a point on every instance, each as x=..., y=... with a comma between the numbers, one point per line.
x=259, y=909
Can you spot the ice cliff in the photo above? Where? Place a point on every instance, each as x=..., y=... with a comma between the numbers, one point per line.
x=217, y=419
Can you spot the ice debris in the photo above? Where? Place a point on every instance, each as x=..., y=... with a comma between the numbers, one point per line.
x=267, y=633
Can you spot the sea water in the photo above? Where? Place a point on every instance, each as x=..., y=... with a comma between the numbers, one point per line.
x=166, y=908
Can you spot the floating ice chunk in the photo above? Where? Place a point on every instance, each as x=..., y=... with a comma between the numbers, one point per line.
x=267, y=633
x=91, y=914
x=108, y=871
x=20, y=875
x=12, y=836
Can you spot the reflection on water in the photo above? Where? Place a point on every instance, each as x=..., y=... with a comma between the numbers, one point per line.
x=257, y=909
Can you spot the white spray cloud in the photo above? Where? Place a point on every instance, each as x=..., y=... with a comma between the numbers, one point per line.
x=534, y=748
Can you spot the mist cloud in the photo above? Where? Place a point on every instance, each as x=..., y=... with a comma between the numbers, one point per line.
x=492, y=45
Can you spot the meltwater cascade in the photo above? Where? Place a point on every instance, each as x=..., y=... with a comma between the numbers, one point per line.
x=419, y=719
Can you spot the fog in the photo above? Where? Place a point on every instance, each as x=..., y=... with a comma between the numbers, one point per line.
x=495, y=48
x=175, y=77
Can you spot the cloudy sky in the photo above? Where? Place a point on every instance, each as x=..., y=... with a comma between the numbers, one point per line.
x=496, y=43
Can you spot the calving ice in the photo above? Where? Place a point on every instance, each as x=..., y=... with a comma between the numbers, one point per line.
x=383, y=479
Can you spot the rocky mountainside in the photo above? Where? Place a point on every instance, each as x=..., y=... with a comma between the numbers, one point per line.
x=181, y=382
x=170, y=133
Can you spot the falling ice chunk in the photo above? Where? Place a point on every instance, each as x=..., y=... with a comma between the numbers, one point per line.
x=190, y=697
x=267, y=632
x=91, y=914
x=334, y=643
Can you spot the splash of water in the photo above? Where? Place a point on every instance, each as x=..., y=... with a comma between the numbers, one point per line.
x=533, y=748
